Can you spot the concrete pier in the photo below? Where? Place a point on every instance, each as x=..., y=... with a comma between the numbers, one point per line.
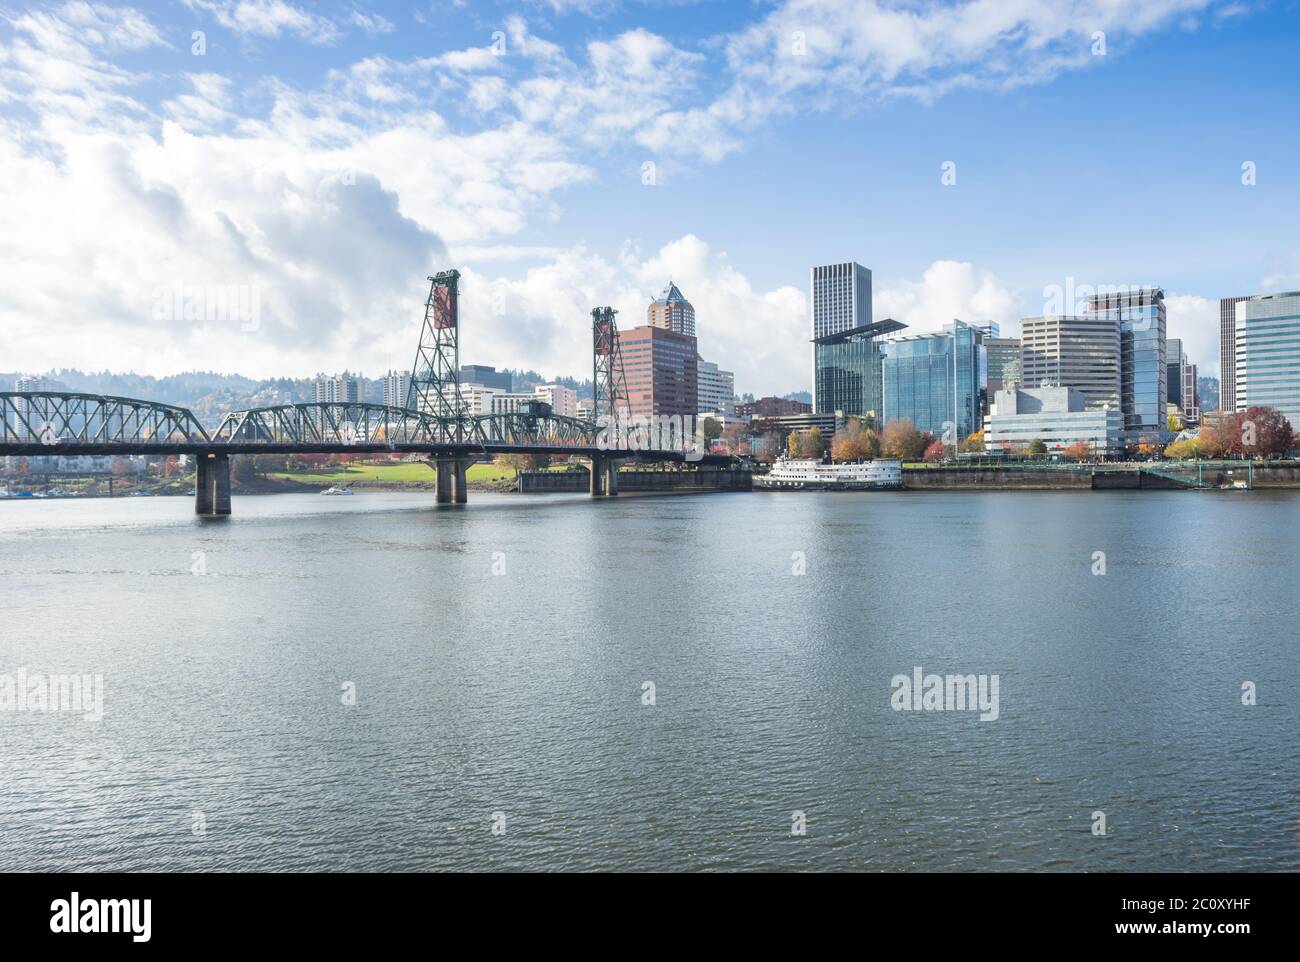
x=444, y=469
x=212, y=485
x=461, y=485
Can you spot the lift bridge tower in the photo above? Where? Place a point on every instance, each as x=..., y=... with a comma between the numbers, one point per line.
x=611, y=398
x=435, y=376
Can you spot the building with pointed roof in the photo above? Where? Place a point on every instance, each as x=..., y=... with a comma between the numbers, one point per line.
x=671, y=311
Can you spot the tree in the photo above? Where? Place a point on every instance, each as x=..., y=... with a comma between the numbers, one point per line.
x=975, y=442
x=712, y=429
x=241, y=469
x=812, y=445
x=1037, y=448
x=736, y=437
x=1191, y=449
x=934, y=451
x=768, y=446
x=1078, y=451
x=854, y=442
x=902, y=440
x=1263, y=431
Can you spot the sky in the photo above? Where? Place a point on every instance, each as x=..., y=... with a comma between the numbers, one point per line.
x=262, y=186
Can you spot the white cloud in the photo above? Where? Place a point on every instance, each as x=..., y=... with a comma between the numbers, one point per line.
x=948, y=290
x=543, y=319
x=268, y=18
x=1195, y=320
x=371, y=23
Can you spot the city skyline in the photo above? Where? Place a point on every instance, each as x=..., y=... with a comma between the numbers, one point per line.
x=276, y=163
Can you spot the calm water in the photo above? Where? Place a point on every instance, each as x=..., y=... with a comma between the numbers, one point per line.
x=521, y=693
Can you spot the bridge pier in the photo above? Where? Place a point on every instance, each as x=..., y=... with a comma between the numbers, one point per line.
x=212, y=485
x=452, y=485
x=461, y=484
x=604, y=476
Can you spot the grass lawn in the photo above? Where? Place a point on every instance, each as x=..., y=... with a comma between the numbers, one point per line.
x=397, y=473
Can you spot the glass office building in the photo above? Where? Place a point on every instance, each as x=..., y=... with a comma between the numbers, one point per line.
x=846, y=367
x=839, y=302
x=1267, y=340
x=1143, y=388
x=934, y=380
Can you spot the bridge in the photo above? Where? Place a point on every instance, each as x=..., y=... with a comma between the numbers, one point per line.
x=434, y=422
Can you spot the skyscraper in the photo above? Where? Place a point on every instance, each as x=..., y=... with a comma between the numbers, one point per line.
x=1267, y=361
x=1143, y=388
x=1003, y=363
x=396, y=386
x=671, y=311
x=1078, y=352
x=662, y=373
x=933, y=380
x=1175, y=368
x=847, y=369
x=1228, y=352
x=839, y=301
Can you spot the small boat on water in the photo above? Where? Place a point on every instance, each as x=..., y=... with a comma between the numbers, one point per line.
x=808, y=474
x=335, y=489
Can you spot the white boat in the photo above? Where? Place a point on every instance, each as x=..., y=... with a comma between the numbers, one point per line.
x=807, y=474
x=335, y=489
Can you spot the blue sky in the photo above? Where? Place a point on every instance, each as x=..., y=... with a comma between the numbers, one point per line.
x=321, y=158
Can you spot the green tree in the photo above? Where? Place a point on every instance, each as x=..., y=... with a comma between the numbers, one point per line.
x=1037, y=448
x=712, y=429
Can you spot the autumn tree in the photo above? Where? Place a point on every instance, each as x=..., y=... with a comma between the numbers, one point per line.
x=1078, y=451
x=902, y=440
x=854, y=442
x=934, y=451
x=1262, y=431
x=974, y=443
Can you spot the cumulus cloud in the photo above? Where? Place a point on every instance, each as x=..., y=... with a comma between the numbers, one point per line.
x=948, y=290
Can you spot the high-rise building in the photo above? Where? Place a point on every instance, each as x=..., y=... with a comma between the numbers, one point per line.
x=336, y=389
x=485, y=375
x=563, y=400
x=847, y=369
x=1191, y=394
x=839, y=301
x=1180, y=381
x=1143, y=385
x=397, y=385
x=716, y=391
x=670, y=311
x=1228, y=352
x=661, y=367
x=933, y=380
x=1003, y=363
x=1267, y=361
x=1078, y=352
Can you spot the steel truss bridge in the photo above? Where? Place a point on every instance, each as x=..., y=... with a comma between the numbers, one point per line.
x=64, y=424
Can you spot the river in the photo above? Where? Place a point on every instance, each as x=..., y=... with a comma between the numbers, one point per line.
x=701, y=682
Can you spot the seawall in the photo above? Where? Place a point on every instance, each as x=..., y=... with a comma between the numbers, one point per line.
x=636, y=482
